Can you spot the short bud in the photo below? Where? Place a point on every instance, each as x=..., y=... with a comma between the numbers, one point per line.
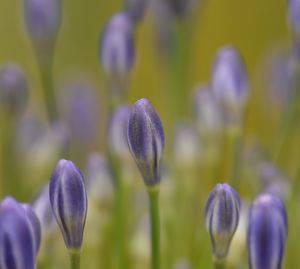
x=17, y=247
x=222, y=214
x=146, y=141
x=69, y=202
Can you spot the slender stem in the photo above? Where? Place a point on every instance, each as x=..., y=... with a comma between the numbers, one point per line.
x=219, y=264
x=75, y=260
x=236, y=138
x=155, y=228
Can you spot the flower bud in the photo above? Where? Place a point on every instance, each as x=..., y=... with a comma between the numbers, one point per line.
x=43, y=19
x=136, y=9
x=117, y=47
x=17, y=247
x=34, y=225
x=294, y=19
x=69, y=202
x=222, y=214
x=207, y=113
x=146, y=141
x=267, y=231
x=229, y=82
x=13, y=88
x=117, y=132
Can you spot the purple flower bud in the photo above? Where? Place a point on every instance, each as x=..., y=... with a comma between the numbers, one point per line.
x=43, y=19
x=222, y=214
x=117, y=131
x=207, y=113
x=99, y=179
x=181, y=7
x=294, y=18
x=13, y=88
x=17, y=246
x=146, y=141
x=136, y=9
x=229, y=81
x=117, y=47
x=43, y=211
x=267, y=231
x=34, y=225
x=69, y=202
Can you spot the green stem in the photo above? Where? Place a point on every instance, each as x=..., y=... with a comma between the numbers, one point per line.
x=219, y=264
x=155, y=228
x=75, y=260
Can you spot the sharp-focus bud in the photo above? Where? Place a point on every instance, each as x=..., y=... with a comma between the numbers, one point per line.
x=117, y=47
x=229, y=82
x=43, y=19
x=69, y=202
x=267, y=231
x=117, y=132
x=146, y=141
x=207, y=113
x=13, y=88
x=34, y=225
x=136, y=9
x=17, y=246
x=222, y=214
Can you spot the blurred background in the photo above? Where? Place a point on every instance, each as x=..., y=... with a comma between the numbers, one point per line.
x=258, y=29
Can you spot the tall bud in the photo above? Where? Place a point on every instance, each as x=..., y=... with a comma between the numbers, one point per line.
x=117, y=47
x=69, y=202
x=229, y=82
x=267, y=231
x=146, y=141
x=222, y=214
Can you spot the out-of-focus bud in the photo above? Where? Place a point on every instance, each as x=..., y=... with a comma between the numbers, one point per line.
x=34, y=225
x=187, y=148
x=229, y=83
x=273, y=181
x=117, y=132
x=80, y=111
x=267, y=231
x=43, y=19
x=17, y=246
x=294, y=20
x=13, y=88
x=69, y=202
x=146, y=141
x=136, y=9
x=117, y=47
x=207, y=113
x=181, y=7
x=42, y=208
x=222, y=214
x=99, y=179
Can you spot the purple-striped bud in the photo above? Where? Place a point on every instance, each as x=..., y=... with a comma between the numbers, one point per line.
x=136, y=9
x=43, y=19
x=267, y=232
x=34, y=225
x=69, y=202
x=13, y=88
x=117, y=131
x=229, y=81
x=146, y=141
x=222, y=214
x=117, y=47
x=17, y=246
